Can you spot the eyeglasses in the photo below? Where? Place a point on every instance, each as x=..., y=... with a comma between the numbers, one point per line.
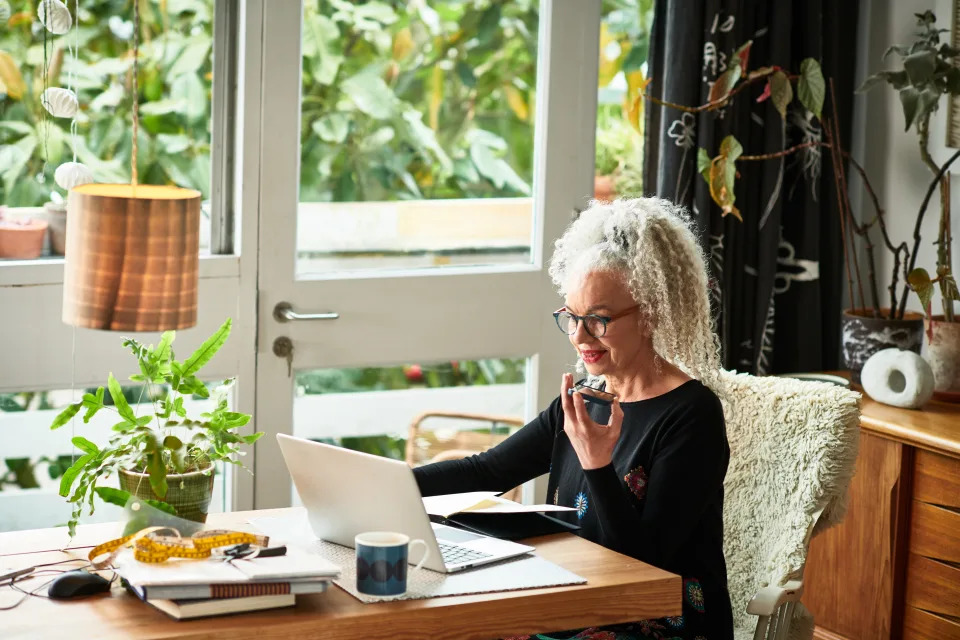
x=595, y=325
x=592, y=394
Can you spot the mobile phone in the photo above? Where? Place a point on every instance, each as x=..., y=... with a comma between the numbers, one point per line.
x=590, y=394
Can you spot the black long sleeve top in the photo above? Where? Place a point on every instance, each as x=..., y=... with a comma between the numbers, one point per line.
x=660, y=500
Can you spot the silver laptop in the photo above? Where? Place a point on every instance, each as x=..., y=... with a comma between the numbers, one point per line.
x=347, y=492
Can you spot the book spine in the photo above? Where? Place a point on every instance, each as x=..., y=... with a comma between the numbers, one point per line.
x=238, y=590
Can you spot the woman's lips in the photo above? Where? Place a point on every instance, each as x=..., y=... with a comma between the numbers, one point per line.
x=592, y=357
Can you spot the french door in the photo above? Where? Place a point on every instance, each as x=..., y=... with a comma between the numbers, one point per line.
x=368, y=285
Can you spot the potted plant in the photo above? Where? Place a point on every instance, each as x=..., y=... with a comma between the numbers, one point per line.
x=21, y=238
x=165, y=457
x=868, y=326
x=928, y=73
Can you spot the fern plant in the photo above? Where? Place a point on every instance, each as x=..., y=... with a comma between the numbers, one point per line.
x=164, y=441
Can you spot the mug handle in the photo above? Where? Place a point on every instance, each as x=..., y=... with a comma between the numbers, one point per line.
x=426, y=552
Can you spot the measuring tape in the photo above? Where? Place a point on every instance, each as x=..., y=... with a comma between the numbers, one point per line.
x=151, y=547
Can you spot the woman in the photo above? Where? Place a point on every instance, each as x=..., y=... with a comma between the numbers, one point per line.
x=645, y=473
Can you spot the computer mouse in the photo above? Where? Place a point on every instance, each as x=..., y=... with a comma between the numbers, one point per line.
x=74, y=584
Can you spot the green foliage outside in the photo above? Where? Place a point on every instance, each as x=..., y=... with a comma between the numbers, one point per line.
x=174, y=85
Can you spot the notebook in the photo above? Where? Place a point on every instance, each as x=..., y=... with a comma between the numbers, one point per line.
x=226, y=590
x=186, y=609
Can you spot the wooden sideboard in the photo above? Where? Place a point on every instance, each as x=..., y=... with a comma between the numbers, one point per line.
x=891, y=569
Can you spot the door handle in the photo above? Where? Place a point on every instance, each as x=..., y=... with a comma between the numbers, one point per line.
x=284, y=312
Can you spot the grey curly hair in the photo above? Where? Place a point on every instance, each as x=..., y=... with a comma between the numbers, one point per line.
x=652, y=243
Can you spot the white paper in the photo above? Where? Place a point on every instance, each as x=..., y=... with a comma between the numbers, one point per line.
x=481, y=502
x=295, y=565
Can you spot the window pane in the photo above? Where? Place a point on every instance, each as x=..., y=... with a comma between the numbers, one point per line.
x=624, y=43
x=33, y=458
x=371, y=409
x=420, y=116
x=175, y=84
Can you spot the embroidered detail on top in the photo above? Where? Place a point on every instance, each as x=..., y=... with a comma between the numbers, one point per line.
x=694, y=594
x=581, y=505
x=556, y=495
x=636, y=481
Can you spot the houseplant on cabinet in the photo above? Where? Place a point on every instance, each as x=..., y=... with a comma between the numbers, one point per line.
x=165, y=457
x=928, y=73
x=783, y=88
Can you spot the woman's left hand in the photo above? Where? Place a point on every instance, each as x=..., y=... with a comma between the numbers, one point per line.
x=592, y=442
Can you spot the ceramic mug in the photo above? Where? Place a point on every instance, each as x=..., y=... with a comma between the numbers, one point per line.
x=382, y=562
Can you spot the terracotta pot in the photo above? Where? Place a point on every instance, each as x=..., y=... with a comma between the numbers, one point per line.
x=188, y=493
x=55, y=213
x=603, y=188
x=863, y=335
x=22, y=239
x=941, y=349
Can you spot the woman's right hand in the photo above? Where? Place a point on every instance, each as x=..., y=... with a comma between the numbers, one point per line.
x=592, y=442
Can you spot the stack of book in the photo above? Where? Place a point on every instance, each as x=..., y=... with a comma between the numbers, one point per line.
x=184, y=588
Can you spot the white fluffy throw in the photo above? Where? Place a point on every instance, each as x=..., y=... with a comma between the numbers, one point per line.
x=793, y=446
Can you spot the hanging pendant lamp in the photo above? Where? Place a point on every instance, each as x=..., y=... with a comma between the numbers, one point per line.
x=132, y=251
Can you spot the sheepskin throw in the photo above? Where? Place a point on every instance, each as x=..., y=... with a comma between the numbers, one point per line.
x=793, y=446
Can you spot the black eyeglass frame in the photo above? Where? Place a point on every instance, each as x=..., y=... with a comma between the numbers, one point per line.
x=604, y=320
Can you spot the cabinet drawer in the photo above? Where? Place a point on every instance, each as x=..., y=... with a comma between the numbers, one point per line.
x=921, y=625
x=933, y=585
x=935, y=532
x=936, y=479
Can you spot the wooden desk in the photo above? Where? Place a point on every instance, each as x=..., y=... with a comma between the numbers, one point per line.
x=618, y=589
x=891, y=569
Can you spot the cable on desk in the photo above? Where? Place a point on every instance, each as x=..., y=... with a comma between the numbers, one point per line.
x=34, y=592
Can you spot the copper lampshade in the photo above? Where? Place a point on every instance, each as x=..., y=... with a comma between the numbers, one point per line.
x=131, y=257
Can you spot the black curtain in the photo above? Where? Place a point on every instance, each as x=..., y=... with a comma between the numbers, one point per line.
x=776, y=277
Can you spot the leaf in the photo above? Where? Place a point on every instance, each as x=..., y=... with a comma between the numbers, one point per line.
x=811, y=87
x=66, y=415
x=927, y=103
x=172, y=442
x=910, y=101
x=158, y=473
x=321, y=44
x=920, y=282
x=466, y=74
x=119, y=401
x=766, y=92
x=192, y=57
x=723, y=173
x=703, y=164
x=85, y=445
x=10, y=76
x=403, y=44
x=371, y=95
x=71, y=474
x=516, y=102
x=423, y=137
x=781, y=92
x=724, y=83
x=920, y=66
x=207, y=350
x=252, y=438
x=741, y=56
x=190, y=90
x=494, y=169
x=112, y=495
x=436, y=97
x=730, y=148
x=332, y=127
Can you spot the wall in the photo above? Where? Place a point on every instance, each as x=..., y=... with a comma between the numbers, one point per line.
x=891, y=155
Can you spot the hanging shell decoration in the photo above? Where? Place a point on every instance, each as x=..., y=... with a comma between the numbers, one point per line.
x=72, y=174
x=60, y=103
x=4, y=11
x=55, y=16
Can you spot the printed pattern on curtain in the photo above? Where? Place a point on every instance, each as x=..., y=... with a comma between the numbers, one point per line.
x=775, y=277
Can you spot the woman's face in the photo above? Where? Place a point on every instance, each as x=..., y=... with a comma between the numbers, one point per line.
x=624, y=344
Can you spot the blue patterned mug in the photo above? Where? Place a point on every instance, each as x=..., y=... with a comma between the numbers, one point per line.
x=382, y=562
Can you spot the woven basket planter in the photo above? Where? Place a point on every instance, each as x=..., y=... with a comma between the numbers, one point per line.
x=188, y=493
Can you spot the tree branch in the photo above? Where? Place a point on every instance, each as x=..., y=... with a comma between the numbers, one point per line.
x=716, y=104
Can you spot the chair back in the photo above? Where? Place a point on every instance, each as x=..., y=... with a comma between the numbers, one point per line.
x=793, y=446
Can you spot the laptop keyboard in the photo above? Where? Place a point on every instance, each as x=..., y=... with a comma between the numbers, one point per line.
x=455, y=554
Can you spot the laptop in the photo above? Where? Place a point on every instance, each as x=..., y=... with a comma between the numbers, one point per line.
x=347, y=492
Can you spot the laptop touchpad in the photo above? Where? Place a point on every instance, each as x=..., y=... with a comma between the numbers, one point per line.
x=451, y=534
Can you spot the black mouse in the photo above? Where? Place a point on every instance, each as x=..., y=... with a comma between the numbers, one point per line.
x=74, y=584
